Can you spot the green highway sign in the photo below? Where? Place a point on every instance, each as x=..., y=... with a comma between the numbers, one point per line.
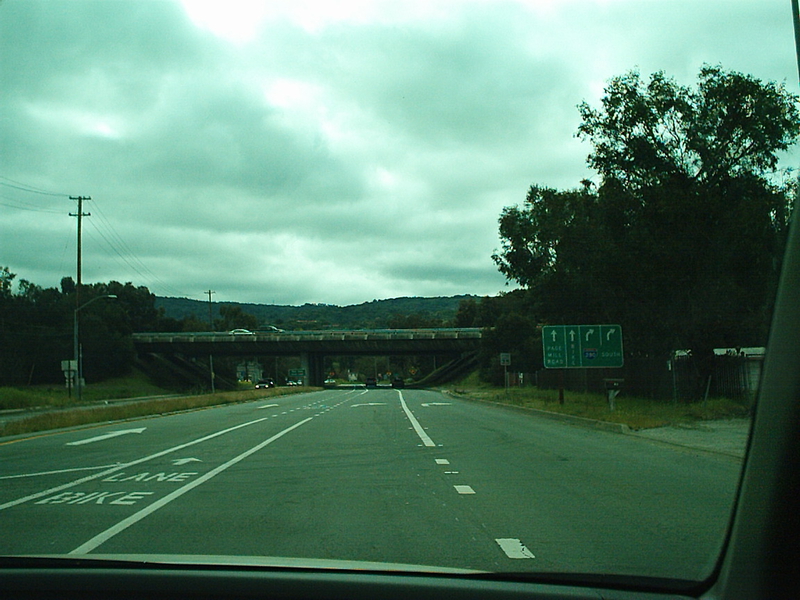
x=582, y=346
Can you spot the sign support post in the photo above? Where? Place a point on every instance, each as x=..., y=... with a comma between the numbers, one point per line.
x=505, y=360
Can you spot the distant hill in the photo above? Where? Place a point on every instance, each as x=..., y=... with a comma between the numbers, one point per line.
x=376, y=314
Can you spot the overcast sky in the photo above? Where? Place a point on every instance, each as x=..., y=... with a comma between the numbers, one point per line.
x=333, y=152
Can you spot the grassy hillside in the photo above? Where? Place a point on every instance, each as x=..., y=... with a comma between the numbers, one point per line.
x=375, y=314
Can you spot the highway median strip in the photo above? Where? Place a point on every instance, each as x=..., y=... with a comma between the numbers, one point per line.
x=75, y=417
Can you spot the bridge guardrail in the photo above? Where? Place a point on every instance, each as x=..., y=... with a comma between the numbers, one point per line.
x=318, y=335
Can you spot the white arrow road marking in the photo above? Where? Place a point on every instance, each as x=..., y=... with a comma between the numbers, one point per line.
x=435, y=404
x=268, y=406
x=183, y=461
x=369, y=404
x=514, y=548
x=136, y=517
x=121, y=466
x=106, y=436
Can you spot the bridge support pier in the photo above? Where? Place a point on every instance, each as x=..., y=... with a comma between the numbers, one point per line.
x=312, y=364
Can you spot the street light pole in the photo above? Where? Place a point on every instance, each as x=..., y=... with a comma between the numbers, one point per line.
x=76, y=344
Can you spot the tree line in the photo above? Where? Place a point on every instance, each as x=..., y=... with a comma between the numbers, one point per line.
x=36, y=327
x=680, y=237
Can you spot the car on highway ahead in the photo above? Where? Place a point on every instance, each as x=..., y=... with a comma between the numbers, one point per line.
x=371, y=382
x=265, y=383
x=240, y=332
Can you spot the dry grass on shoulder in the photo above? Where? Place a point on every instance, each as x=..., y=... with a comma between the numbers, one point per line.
x=73, y=417
x=636, y=413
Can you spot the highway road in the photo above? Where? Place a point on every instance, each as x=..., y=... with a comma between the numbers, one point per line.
x=400, y=476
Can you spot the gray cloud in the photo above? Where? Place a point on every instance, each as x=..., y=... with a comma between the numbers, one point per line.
x=347, y=160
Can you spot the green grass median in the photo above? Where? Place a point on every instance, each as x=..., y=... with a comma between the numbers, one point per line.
x=113, y=401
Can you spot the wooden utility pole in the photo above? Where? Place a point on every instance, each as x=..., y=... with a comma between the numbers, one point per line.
x=211, y=328
x=76, y=325
x=210, y=313
x=80, y=214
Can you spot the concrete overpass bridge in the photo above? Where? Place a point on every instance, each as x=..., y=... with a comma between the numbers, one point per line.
x=312, y=346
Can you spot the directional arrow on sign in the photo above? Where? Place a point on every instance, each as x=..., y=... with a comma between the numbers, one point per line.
x=582, y=346
x=106, y=436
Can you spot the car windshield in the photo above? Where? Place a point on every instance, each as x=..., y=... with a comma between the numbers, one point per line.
x=466, y=286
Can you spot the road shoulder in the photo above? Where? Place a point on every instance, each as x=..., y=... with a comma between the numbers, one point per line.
x=724, y=436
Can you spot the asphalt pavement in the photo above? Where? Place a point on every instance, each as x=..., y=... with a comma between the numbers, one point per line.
x=725, y=436
x=395, y=476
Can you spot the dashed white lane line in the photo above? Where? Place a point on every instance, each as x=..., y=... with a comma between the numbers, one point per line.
x=464, y=489
x=442, y=461
x=426, y=440
x=514, y=548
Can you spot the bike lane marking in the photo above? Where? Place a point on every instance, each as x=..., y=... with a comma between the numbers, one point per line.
x=104, y=536
x=126, y=465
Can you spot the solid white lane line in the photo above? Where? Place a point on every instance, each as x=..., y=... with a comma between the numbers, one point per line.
x=57, y=472
x=426, y=440
x=126, y=465
x=464, y=489
x=442, y=461
x=514, y=548
x=136, y=517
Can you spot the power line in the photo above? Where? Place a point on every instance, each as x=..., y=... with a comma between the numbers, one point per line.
x=18, y=185
x=131, y=263
x=111, y=238
x=124, y=251
x=20, y=205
